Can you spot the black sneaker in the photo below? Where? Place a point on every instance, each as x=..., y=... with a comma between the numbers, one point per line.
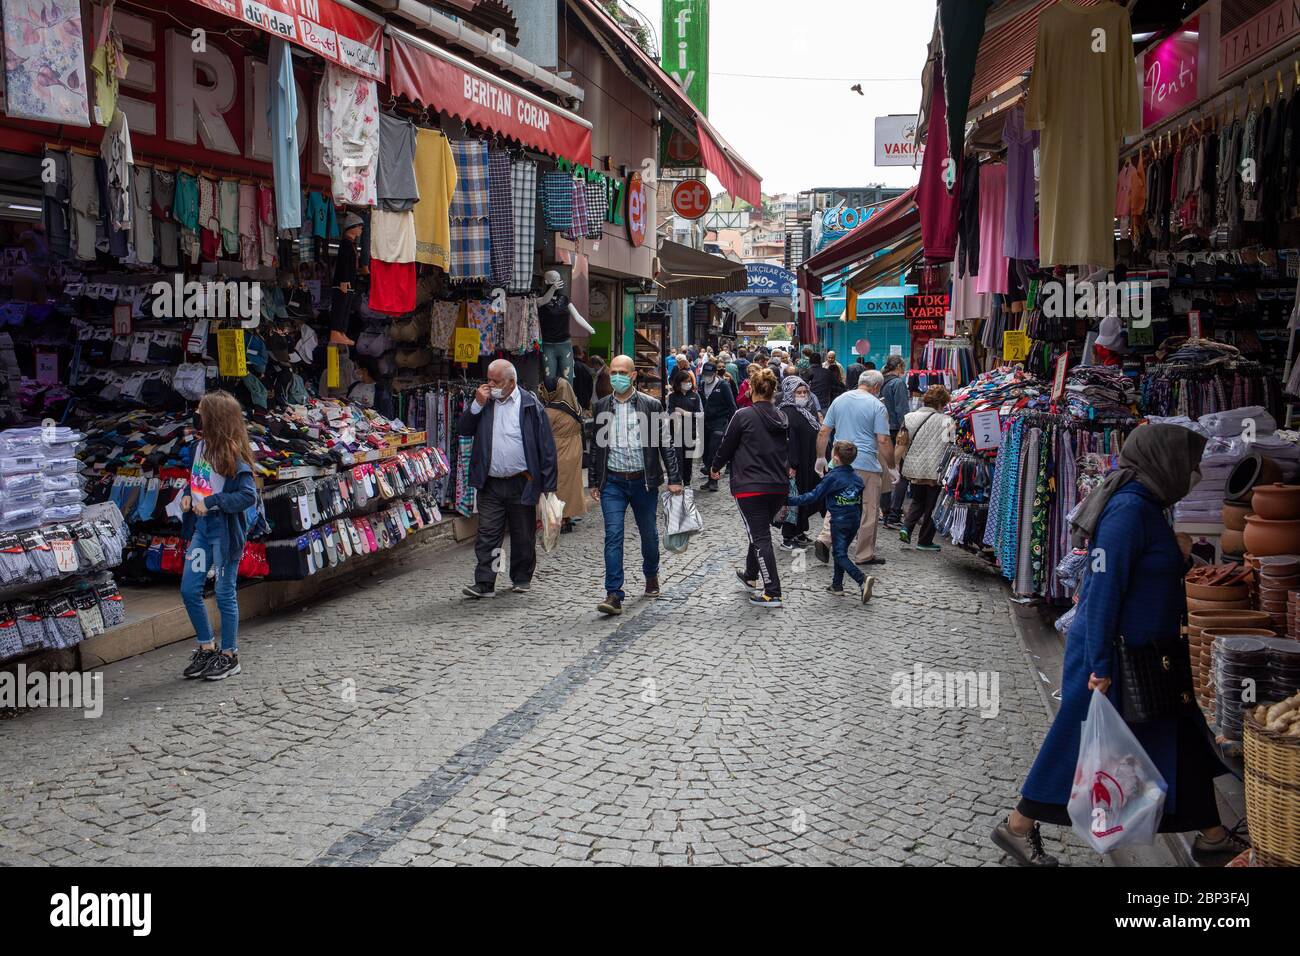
x=873, y=561
x=522, y=588
x=789, y=545
x=832, y=589
x=751, y=585
x=199, y=662
x=822, y=551
x=611, y=606
x=928, y=547
x=478, y=591
x=222, y=666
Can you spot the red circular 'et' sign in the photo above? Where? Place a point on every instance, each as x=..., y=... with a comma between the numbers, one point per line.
x=691, y=199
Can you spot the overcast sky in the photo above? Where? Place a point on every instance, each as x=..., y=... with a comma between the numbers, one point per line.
x=800, y=133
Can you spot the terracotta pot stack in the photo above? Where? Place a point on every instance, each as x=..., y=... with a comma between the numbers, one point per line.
x=1278, y=576
x=1217, y=597
x=1273, y=526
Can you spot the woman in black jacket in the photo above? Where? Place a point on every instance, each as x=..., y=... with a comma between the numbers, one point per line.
x=796, y=403
x=756, y=447
x=687, y=423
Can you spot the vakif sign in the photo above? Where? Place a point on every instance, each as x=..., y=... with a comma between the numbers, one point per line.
x=895, y=140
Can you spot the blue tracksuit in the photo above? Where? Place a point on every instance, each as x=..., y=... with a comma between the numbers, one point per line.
x=841, y=491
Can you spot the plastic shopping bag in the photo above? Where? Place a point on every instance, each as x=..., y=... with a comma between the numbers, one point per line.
x=550, y=510
x=1118, y=796
x=681, y=519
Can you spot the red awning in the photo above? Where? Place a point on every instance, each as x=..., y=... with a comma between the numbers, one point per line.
x=427, y=74
x=737, y=176
x=894, y=219
x=340, y=31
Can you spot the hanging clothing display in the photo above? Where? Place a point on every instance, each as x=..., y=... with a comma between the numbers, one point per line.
x=993, y=210
x=435, y=175
x=282, y=118
x=395, y=183
x=45, y=74
x=523, y=205
x=471, y=237
x=936, y=199
x=392, y=236
x=961, y=27
x=501, y=224
x=1084, y=102
x=1020, y=236
x=557, y=200
x=348, y=123
x=109, y=65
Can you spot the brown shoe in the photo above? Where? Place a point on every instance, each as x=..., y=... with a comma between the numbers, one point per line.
x=1025, y=850
x=338, y=338
x=611, y=606
x=652, y=587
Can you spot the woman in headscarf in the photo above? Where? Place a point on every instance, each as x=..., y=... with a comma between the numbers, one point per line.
x=566, y=425
x=1132, y=590
x=796, y=402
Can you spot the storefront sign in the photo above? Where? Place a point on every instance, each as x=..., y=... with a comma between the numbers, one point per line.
x=1015, y=345
x=987, y=430
x=342, y=34
x=1169, y=73
x=638, y=210
x=232, y=359
x=466, y=345
x=428, y=74
x=1258, y=35
x=894, y=140
x=614, y=188
x=691, y=199
x=686, y=48
x=764, y=281
x=925, y=311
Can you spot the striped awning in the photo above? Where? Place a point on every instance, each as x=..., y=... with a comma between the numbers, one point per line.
x=1007, y=50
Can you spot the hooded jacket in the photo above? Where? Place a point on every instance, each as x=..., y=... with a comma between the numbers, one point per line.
x=756, y=447
x=226, y=521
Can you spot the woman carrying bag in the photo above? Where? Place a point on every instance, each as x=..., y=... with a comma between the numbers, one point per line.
x=687, y=419
x=922, y=446
x=1131, y=607
x=796, y=403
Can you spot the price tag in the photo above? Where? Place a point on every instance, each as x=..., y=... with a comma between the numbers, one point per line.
x=1015, y=345
x=122, y=320
x=987, y=428
x=950, y=323
x=65, y=556
x=231, y=357
x=332, y=367
x=467, y=345
x=47, y=368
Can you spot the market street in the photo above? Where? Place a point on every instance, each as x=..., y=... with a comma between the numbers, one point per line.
x=397, y=723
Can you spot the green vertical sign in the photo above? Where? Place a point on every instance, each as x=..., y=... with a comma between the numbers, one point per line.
x=685, y=49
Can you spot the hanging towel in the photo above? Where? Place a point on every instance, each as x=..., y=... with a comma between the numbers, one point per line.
x=557, y=200
x=501, y=217
x=471, y=238
x=523, y=201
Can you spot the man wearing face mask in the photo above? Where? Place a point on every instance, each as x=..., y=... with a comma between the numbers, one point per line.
x=632, y=454
x=719, y=405
x=513, y=463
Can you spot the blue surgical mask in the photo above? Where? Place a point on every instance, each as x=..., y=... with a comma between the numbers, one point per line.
x=621, y=381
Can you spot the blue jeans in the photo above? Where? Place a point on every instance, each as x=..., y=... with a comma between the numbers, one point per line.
x=557, y=359
x=842, y=533
x=199, y=556
x=615, y=498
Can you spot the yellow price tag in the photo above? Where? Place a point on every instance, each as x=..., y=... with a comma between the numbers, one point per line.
x=467, y=345
x=1015, y=345
x=332, y=366
x=232, y=360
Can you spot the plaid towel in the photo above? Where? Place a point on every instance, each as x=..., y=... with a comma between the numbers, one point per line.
x=597, y=209
x=579, y=228
x=557, y=201
x=523, y=201
x=500, y=217
x=471, y=255
x=470, y=201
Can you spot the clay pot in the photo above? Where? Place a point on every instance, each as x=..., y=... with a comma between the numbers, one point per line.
x=1211, y=633
x=1203, y=620
x=1234, y=515
x=1266, y=537
x=1232, y=542
x=1217, y=592
x=1196, y=605
x=1252, y=470
x=1276, y=502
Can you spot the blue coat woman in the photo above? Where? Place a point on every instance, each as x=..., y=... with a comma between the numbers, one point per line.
x=1133, y=587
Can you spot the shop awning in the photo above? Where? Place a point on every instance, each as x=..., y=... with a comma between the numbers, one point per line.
x=340, y=31
x=427, y=74
x=886, y=269
x=881, y=230
x=686, y=273
x=737, y=176
x=1007, y=50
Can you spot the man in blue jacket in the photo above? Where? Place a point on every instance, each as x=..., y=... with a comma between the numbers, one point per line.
x=512, y=464
x=841, y=491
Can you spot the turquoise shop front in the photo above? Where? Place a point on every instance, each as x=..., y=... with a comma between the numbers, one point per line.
x=880, y=322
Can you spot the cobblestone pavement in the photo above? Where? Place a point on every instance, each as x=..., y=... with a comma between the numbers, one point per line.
x=397, y=724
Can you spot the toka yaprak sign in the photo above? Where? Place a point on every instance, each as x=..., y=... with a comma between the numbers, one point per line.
x=337, y=31
x=1170, y=72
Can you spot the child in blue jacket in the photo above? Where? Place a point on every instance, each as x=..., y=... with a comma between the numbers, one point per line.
x=841, y=492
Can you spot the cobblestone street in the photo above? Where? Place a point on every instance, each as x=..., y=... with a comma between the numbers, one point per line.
x=399, y=724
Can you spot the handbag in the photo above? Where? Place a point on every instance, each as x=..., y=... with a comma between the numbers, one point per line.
x=1155, y=680
x=914, y=439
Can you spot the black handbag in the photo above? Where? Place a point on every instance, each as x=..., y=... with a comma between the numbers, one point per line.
x=1155, y=680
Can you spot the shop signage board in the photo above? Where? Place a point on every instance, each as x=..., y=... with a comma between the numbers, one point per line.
x=894, y=140
x=685, y=58
x=691, y=199
x=1015, y=345
x=765, y=281
x=232, y=359
x=466, y=346
x=340, y=33
x=926, y=311
x=986, y=427
x=638, y=210
x=1170, y=71
x=1263, y=32
x=427, y=74
x=1058, y=379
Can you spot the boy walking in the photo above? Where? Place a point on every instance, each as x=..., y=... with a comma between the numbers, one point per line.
x=841, y=490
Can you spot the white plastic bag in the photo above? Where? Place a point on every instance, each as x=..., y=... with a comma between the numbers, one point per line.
x=681, y=519
x=1118, y=796
x=551, y=512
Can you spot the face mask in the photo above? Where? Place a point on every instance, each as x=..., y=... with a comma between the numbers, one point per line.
x=620, y=381
x=803, y=402
x=707, y=378
x=687, y=385
x=498, y=393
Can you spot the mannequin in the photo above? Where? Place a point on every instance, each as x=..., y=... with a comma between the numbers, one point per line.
x=555, y=311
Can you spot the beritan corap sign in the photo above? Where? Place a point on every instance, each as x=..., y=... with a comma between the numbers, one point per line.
x=339, y=33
